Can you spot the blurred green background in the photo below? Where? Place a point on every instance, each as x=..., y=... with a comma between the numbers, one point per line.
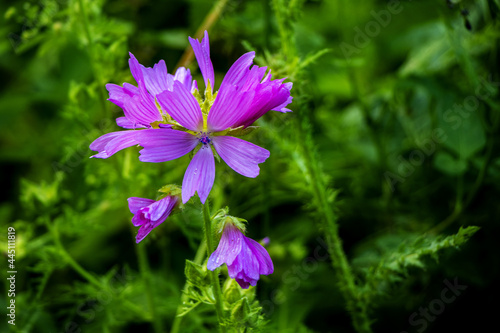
x=394, y=131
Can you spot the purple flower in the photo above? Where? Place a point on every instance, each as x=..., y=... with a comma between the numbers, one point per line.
x=175, y=122
x=138, y=104
x=148, y=214
x=245, y=258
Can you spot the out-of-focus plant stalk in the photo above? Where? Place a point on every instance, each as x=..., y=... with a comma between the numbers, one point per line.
x=146, y=277
x=208, y=22
x=213, y=274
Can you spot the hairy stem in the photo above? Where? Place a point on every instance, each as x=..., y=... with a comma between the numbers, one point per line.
x=355, y=305
x=213, y=274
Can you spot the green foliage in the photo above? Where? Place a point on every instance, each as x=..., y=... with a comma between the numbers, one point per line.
x=388, y=161
x=394, y=265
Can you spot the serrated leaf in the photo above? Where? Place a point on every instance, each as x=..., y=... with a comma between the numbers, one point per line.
x=196, y=274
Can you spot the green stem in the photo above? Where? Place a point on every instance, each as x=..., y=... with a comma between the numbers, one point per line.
x=356, y=306
x=213, y=274
x=76, y=266
x=146, y=276
x=198, y=258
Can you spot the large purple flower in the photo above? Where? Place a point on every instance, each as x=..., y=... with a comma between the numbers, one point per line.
x=245, y=94
x=177, y=120
x=245, y=258
x=148, y=214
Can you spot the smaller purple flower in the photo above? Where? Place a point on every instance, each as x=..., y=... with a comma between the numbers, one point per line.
x=245, y=258
x=148, y=213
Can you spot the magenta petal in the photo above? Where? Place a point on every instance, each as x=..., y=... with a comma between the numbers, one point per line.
x=199, y=176
x=143, y=231
x=266, y=266
x=181, y=105
x=242, y=156
x=183, y=75
x=243, y=284
x=245, y=258
x=238, y=71
x=110, y=143
x=118, y=95
x=152, y=215
x=194, y=86
x=123, y=122
x=282, y=107
x=161, y=145
x=228, y=108
x=160, y=209
x=135, y=68
x=268, y=97
x=136, y=203
x=157, y=78
x=142, y=108
x=229, y=247
x=202, y=54
x=245, y=266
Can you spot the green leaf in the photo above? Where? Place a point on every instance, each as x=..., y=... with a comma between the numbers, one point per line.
x=449, y=165
x=196, y=274
x=240, y=310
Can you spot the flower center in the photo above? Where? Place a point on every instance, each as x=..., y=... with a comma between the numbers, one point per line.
x=204, y=138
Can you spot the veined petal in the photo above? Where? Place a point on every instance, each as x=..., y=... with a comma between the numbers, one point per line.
x=242, y=156
x=135, y=68
x=236, y=74
x=123, y=122
x=268, y=97
x=199, y=176
x=183, y=75
x=157, y=78
x=161, y=145
x=282, y=107
x=160, y=209
x=202, y=54
x=229, y=107
x=143, y=231
x=194, y=86
x=141, y=109
x=118, y=95
x=110, y=143
x=229, y=247
x=181, y=105
x=151, y=214
x=252, y=261
x=244, y=266
x=261, y=255
x=136, y=203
